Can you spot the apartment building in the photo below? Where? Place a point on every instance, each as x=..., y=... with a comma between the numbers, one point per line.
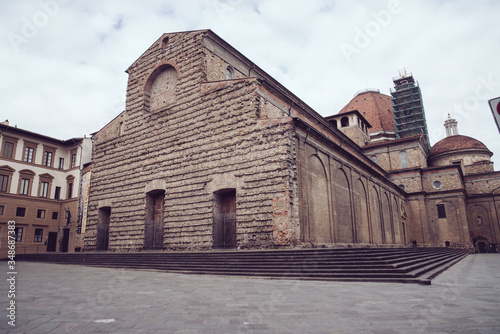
x=40, y=179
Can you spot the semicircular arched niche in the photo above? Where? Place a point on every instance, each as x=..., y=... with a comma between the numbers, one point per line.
x=161, y=86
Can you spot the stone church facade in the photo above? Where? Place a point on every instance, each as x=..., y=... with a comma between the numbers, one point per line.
x=211, y=152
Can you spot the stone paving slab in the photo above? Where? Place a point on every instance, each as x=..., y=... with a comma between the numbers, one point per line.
x=53, y=298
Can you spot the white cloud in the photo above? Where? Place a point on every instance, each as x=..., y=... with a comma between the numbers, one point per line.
x=68, y=64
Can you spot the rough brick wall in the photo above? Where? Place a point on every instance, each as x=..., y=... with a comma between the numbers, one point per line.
x=410, y=180
x=389, y=154
x=453, y=227
x=208, y=138
x=488, y=183
x=449, y=179
x=483, y=218
x=479, y=168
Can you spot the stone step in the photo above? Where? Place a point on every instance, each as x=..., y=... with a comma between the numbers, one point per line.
x=404, y=265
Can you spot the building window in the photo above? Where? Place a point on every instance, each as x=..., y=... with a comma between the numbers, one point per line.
x=73, y=160
x=374, y=158
x=1, y=210
x=47, y=159
x=20, y=212
x=229, y=73
x=437, y=185
x=9, y=147
x=18, y=234
x=38, y=235
x=479, y=221
x=344, y=121
x=44, y=189
x=24, y=187
x=29, y=153
x=404, y=161
x=57, y=194
x=441, y=211
x=164, y=43
x=402, y=186
x=69, y=186
x=40, y=214
x=4, y=181
x=6, y=173
x=55, y=214
x=8, y=150
x=25, y=180
x=45, y=185
x=61, y=163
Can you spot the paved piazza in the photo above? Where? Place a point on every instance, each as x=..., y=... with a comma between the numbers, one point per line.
x=52, y=298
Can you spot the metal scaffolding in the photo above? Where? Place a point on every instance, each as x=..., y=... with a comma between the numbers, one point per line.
x=408, y=107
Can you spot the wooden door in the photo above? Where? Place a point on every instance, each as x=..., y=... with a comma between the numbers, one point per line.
x=102, y=242
x=153, y=232
x=228, y=210
x=158, y=210
x=52, y=242
x=64, y=240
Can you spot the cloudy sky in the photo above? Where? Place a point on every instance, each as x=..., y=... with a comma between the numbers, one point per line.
x=63, y=61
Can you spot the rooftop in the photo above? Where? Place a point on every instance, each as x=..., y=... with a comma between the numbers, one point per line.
x=375, y=107
x=457, y=143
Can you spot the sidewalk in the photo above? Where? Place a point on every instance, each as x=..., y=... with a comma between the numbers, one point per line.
x=73, y=299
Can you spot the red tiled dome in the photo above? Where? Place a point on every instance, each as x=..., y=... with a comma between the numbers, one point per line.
x=457, y=143
x=375, y=107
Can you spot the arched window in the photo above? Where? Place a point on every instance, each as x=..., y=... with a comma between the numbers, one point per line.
x=229, y=73
x=164, y=43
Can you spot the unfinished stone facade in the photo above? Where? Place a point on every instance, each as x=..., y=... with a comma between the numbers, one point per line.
x=212, y=152
x=208, y=138
x=191, y=135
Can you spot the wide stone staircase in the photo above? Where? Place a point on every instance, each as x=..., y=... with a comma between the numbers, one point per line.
x=396, y=265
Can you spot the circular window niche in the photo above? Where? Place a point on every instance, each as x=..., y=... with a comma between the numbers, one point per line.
x=437, y=185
